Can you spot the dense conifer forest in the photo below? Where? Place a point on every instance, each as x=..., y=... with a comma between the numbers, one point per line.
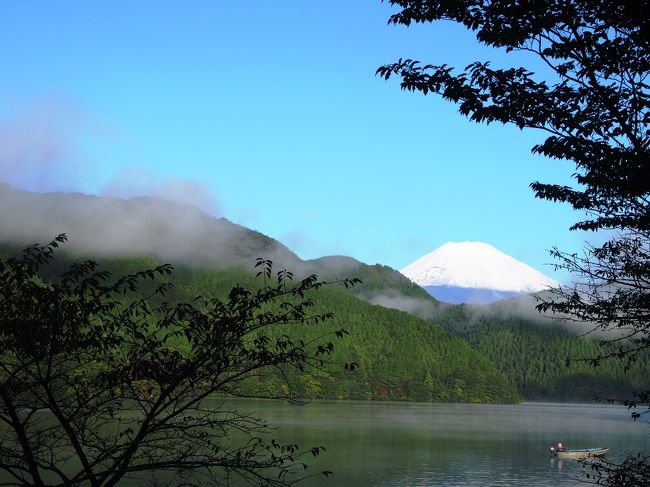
x=399, y=356
x=545, y=359
x=455, y=355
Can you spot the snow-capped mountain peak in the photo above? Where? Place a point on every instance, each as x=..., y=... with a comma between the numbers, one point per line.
x=476, y=265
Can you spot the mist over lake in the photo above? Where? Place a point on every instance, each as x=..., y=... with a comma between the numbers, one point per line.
x=422, y=444
x=428, y=222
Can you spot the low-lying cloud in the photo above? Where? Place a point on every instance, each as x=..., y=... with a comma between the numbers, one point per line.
x=41, y=149
x=134, y=181
x=153, y=226
x=519, y=308
x=37, y=145
x=420, y=307
x=136, y=211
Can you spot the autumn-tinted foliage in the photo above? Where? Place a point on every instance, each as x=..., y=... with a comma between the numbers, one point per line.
x=101, y=379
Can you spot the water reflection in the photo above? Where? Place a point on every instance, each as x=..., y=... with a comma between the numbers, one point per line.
x=447, y=445
x=416, y=444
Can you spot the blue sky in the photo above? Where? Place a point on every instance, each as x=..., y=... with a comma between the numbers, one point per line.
x=269, y=114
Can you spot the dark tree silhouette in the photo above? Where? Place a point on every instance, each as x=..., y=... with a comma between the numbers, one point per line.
x=100, y=382
x=634, y=471
x=594, y=106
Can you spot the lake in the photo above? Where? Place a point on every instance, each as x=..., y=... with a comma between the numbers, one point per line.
x=423, y=444
x=383, y=444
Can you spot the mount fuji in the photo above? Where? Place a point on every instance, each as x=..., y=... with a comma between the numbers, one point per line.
x=475, y=273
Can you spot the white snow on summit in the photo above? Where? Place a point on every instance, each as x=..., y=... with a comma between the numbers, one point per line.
x=476, y=265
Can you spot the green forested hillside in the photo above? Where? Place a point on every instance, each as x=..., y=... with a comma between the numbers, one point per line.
x=530, y=350
x=487, y=357
x=534, y=354
x=399, y=356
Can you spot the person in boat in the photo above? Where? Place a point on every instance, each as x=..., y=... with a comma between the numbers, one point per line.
x=560, y=447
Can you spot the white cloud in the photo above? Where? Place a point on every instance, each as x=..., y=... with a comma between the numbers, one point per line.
x=41, y=150
x=133, y=181
x=37, y=145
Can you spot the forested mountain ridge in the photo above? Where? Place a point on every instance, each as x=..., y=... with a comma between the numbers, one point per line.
x=169, y=232
x=112, y=227
x=400, y=356
x=545, y=359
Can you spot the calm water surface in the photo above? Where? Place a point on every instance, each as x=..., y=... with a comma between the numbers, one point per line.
x=382, y=444
x=422, y=444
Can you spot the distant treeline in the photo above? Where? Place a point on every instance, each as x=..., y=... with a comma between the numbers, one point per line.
x=545, y=360
x=468, y=358
x=399, y=356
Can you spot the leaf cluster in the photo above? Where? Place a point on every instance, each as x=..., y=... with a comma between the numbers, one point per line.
x=595, y=106
x=593, y=101
x=100, y=381
x=615, y=295
x=634, y=471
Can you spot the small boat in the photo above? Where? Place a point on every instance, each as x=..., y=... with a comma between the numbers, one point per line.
x=578, y=454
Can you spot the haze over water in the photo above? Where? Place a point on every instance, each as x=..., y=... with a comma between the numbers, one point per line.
x=422, y=444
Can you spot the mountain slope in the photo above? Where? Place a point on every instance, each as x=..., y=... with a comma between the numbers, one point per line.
x=543, y=358
x=139, y=226
x=400, y=356
x=474, y=272
x=173, y=233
